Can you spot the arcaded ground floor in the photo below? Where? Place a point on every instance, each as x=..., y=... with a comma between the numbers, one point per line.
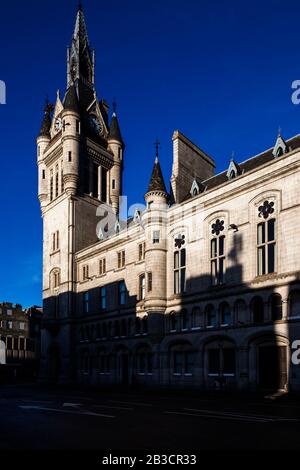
x=230, y=359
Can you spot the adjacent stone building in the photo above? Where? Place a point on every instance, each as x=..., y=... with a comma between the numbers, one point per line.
x=20, y=333
x=198, y=289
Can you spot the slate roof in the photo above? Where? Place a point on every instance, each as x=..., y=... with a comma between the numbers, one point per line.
x=157, y=182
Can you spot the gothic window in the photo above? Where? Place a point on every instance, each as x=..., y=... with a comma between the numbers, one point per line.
x=266, y=247
x=142, y=287
x=217, y=253
x=179, y=271
x=183, y=362
x=179, y=241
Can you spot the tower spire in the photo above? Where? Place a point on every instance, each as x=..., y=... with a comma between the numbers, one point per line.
x=81, y=63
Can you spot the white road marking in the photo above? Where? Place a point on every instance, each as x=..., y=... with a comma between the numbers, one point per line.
x=57, y=410
x=72, y=405
x=113, y=407
x=232, y=413
x=130, y=403
x=217, y=416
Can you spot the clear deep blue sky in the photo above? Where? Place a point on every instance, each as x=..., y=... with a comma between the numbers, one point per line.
x=221, y=72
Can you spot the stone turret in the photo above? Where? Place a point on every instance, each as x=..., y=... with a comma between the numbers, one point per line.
x=116, y=146
x=71, y=140
x=43, y=140
x=154, y=220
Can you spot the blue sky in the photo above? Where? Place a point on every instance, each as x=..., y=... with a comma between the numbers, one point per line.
x=220, y=72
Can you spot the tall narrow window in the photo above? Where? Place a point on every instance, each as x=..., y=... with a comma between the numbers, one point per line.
x=142, y=251
x=51, y=185
x=62, y=180
x=121, y=259
x=156, y=236
x=142, y=289
x=56, y=182
x=122, y=293
x=85, y=273
x=103, y=298
x=103, y=185
x=179, y=271
x=102, y=266
x=86, y=302
x=77, y=126
x=43, y=174
x=149, y=282
x=70, y=156
x=217, y=256
x=266, y=247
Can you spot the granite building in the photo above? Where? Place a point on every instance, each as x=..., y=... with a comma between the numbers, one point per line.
x=199, y=289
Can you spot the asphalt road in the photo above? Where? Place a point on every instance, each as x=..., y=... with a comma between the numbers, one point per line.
x=33, y=418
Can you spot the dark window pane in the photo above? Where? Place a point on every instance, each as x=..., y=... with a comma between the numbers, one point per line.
x=271, y=258
x=271, y=230
x=261, y=261
x=188, y=362
x=183, y=256
x=221, y=245
x=213, y=361
x=176, y=260
x=228, y=361
x=178, y=362
x=182, y=284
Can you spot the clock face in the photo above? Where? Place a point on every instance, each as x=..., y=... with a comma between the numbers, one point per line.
x=95, y=124
x=58, y=124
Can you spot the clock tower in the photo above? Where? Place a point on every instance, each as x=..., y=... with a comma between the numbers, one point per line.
x=80, y=162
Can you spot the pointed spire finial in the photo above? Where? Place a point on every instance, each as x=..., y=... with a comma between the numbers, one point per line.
x=114, y=105
x=80, y=7
x=279, y=131
x=232, y=155
x=157, y=147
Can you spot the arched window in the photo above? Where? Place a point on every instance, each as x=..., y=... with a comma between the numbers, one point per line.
x=211, y=316
x=257, y=308
x=184, y=320
x=217, y=253
x=179, y=270
x=276, y=307
x=196, y=317
x=294, y=304
x=266, y=240
x=225, y=314
x=240, y=309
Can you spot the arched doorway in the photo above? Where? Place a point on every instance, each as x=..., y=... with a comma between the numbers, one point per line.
x=269, y=362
